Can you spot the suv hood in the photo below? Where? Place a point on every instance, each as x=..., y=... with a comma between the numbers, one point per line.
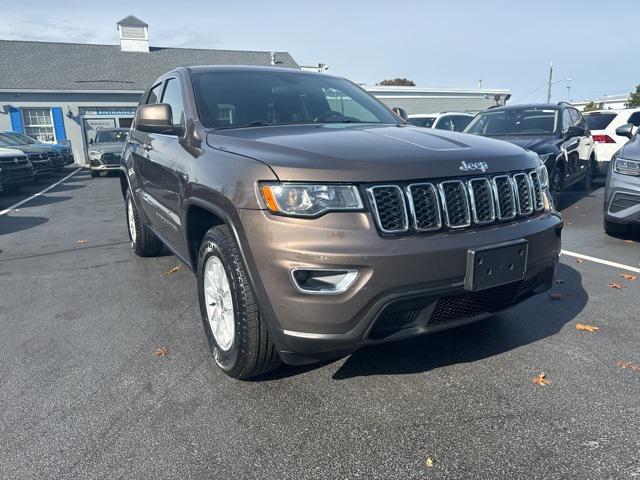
x=107, y=147
x=368, y=153
x=536, y=143
x=31, y=148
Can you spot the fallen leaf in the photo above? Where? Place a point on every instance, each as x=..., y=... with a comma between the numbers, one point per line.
x=629, y=241
x=82, y=242
x=175, y=269
x=541, y=379
x=579, y=260
x=555, y=296
x=17, y=210
x=429, y=462
x=615, y=285
x=587, y=328
x=629, y=365
x=628, y=276
x=559, y=280
x=162, y=352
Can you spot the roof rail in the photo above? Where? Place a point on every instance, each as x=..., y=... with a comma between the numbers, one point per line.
x=564, y=103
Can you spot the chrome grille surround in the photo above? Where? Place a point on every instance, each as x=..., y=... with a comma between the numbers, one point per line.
x=523, y=188
x=417, y=206
x=446, y=194
x=503, y=189
x=483, y=209
x=393, y=194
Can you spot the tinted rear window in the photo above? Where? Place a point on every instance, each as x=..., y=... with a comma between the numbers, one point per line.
x=599, y=121
x=422, y=122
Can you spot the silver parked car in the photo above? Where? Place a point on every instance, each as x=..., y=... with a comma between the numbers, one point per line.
x=105, y=150
x=622, y=191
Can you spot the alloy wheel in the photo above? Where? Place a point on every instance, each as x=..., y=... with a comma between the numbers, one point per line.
x=219, y=303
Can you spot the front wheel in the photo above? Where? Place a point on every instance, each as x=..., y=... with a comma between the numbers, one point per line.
x=238, y=337
x=587, y=182
x=556, y=179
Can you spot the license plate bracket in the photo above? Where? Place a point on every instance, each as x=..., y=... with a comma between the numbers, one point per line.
x=496, y=265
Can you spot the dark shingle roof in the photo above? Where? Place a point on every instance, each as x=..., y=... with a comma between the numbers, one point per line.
x=131, y=21
x=72, y=66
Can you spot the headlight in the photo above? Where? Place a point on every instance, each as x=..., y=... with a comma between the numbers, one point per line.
x=310, y=200
x=627, y=167
x=95, y=154
x=543, y=176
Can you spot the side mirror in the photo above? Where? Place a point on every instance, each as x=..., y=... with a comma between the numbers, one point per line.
x=156, y=118
x=401, y=112
x=625, y=130
x=575, y=132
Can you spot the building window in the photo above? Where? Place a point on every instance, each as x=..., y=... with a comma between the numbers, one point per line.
x=38, y=123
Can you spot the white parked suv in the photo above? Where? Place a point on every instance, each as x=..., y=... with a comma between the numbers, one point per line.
x=603, y=124
x=452, y=121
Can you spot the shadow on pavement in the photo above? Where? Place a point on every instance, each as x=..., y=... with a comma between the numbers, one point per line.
x=569, y=198
x=10, y=224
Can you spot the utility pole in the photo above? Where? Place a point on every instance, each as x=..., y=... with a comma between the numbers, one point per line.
x=480, y=84
x=568, y=90
x=550, y=82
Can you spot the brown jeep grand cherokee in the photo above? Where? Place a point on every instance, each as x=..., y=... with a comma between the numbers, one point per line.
x=316, y=221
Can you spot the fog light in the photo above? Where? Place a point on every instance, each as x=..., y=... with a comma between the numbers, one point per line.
x=320, y=281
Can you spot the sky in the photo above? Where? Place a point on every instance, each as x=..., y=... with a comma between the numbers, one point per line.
x=454, y=43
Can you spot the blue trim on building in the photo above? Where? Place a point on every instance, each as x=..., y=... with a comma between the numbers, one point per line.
x=58, y=124
x=16, y=120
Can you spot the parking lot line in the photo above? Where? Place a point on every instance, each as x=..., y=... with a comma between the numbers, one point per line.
x=22, y=202
x=601, y=261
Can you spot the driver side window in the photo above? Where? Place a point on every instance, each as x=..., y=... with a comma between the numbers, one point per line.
x=342, y=103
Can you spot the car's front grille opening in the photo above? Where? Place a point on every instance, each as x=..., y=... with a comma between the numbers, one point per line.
x=622, y=201
x=471, y=304
x=455, y=204
x=389, y=208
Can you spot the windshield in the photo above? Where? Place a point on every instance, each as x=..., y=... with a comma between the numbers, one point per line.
x=8, y=141
x=422, y=121
x=111, y=136
x=255, y=98
x=529, y=121
x=599, y=121
x=20, y=138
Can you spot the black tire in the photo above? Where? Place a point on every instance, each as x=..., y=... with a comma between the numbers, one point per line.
x=95, y=174
x=586, y=183
x=616, y=229
x=145, y=243
x=556, y=183
x=252, y=352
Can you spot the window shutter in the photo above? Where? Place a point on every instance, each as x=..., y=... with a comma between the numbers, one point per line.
x=16, y=120
x=58, y=124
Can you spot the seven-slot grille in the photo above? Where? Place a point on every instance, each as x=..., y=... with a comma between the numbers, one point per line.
x=455, y=203
x=111, y=158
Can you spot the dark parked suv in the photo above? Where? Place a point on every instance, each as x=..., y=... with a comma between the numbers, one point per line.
x=316, y=222
x=558, y=133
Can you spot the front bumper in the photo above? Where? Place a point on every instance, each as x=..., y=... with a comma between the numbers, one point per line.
x=399, y=274
x=42, y=168
x=622, y=199
x=16, y=176
x=104, y=167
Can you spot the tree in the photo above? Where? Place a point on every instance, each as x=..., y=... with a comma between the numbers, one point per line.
x=634, y=98
x=591, y=106
x=398, y=82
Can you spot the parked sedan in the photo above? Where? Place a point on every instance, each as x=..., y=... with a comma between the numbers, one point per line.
x=64, y=148
x=106, y=150
x=452, y=121
x=557, y=133
x=603, y=125
x=622, y=190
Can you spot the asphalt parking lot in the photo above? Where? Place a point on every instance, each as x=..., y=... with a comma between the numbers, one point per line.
x=83, y=394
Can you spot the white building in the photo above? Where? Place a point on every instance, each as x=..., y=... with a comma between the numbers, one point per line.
x=604, y=103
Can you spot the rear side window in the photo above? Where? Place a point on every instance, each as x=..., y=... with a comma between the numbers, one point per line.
x=173, y=97
x=422, y=122
x=454, y=123
x=634, y=119
x=577, y=119
x=599, y=121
